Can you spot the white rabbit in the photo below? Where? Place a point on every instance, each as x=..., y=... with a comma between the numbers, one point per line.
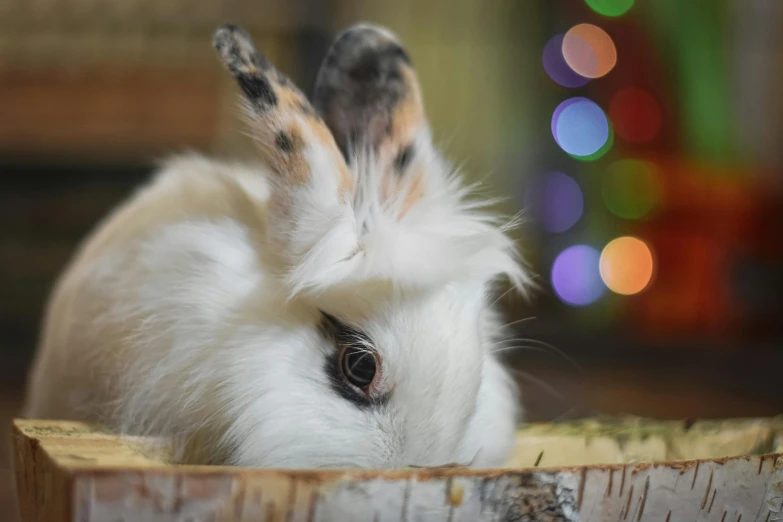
x=329, y=308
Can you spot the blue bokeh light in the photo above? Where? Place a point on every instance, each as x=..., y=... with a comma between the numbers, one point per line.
x=580, y=127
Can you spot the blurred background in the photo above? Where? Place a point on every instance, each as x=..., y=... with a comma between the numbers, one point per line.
x=642, y=142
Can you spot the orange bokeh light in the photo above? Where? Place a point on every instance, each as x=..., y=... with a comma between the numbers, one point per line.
x=589, y=50
x=626, y=265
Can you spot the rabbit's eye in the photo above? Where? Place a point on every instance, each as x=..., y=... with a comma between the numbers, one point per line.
x=354, y=367
x=359, y=365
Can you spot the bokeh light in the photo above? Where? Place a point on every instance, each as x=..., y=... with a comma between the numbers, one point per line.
x=603, y=150
x=576, y=277
x=610, y=7
x=626, y=265
x=589, y=50
x=556, y=66
x=580, y=127
x=631, y=188
x=562, y=203
x=635, y=115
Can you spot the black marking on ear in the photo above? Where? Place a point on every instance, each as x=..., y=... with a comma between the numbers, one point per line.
x=360, y=85
x=258, y=90
x=364, y=37
x=342, y=335
x=248, y=66
x=284, y=142
x=379, y=65
x=403, y=159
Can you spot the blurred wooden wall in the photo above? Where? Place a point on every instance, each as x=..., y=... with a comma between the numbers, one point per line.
x=84, y=79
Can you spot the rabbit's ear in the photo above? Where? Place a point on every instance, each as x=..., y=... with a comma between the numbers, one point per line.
x=369, y=96
x=309, y=221
x=282, y=121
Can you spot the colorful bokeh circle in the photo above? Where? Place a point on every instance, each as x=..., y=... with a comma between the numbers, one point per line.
x=556, y=66
x=631, y=188
x=610, y=7
x=635, y=115
x=600, y=152
x=580, y=127
x=561, y=202
x=576, y=277
x=589, y=51
x=626, y=265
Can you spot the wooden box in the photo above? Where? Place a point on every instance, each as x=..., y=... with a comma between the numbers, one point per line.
x=604, y=470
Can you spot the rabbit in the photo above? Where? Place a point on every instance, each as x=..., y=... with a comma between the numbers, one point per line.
x=328, y=307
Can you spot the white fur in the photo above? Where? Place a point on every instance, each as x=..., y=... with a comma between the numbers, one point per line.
x=191, y=314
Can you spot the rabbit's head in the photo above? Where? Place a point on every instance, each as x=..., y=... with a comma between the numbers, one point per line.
x=370, y=229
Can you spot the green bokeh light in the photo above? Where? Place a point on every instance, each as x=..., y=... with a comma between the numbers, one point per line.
x=695, y=31
x=610, y=7
x=604, y=148
x=631, y=188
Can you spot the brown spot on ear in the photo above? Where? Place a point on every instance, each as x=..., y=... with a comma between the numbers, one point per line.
x=407, y=119
x=305, y=108
x=291, y=98
x=415, y=192
x=347, y=183
x=290, y=145
x=324, y=136
x=295, y=101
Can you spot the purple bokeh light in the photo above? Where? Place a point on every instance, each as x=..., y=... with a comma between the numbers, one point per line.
x=561, y=202
x=559, y=110
x=576, y=277
x=556, y=66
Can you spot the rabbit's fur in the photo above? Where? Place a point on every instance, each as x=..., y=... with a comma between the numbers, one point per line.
x=198, y=310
